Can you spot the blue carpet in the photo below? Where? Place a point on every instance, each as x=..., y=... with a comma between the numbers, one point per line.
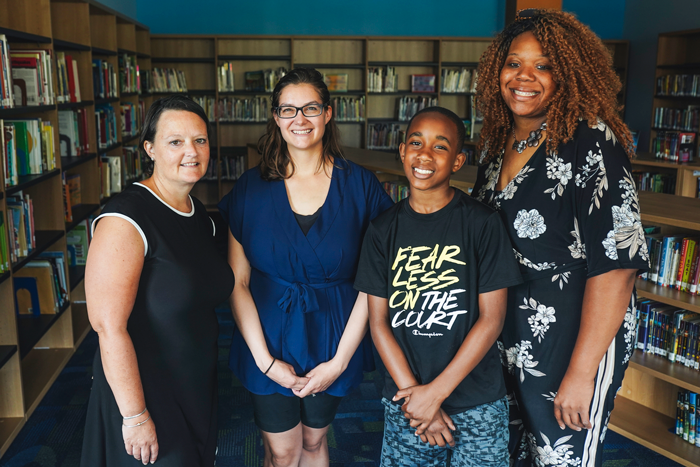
x=53, y=436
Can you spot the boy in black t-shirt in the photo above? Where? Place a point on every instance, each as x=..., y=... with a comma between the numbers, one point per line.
x=436, y=267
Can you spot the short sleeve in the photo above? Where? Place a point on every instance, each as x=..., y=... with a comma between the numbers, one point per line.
x=232, y=207
x=608, y=226
x=497, y=266
x=372, y=269
x=377, y=199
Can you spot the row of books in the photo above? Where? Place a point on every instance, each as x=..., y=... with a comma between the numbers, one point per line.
x=106, y=124
x=27, y=148
x=654, y=181
x=463, y=80
x=20, y=226
x=78, y=241
x=382, y=79
x=7, y=99
x=384, y=136
x=673, y=146
x=128, y=74
x=408, y=106
x=104, y=79
x=168, y=80
x=73, y=132
x=396, y=190
x=4, y=247
x=470, y=154
x=677, y=119
x=72, y=194
x=678, y=85
x=41, y=286
x=669, y=332
x=32, y=77
x=262, y=80
x=673, y=262
x=68, y=79
x=349, y=109
x=110, y=175
x=232, y=167
x=208, y=103
x=686, y=419
x=132, y=117
x=247, y=109
x=133, y=164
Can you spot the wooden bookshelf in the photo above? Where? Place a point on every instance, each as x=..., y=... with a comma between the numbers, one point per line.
x=34, y=350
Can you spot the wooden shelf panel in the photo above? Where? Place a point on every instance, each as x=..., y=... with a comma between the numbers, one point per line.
x=663, y=369
x=6, y=352
x=128, y=94
x=81, y=324
x=356, y=66
x=668, y=295
x=4, y=277
x=19, y=111
x=9, y=428
x=395, y=64
x=100, y=51
x=649, y=159
x=460, y=64
x=403, y=93
x=32, y=328
x=101, y=151
x=20, y=36
x=651, y=429
x=130, y=138
x=44, y=239
x=677, y=211
x=25, y=181
x=273, y=58
x=125, y=51
x=80, y=213
x=39, y=370
x=58, y=44
x=106, y=100
x=181, y=60
x=68, y=163
x=74, y=105
x=76, y=274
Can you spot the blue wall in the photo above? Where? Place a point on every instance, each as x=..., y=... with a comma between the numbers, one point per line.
x=604, y=17
x=125, y=7
x=315, y=17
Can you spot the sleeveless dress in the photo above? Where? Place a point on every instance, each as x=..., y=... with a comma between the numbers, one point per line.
x=174, y=331
x=571, y=214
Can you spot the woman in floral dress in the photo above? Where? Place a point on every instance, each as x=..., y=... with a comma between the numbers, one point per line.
x=555, y=163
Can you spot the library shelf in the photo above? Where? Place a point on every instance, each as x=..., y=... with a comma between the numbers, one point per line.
x=109, y=148
x=347, y=122
x=140, y=55
x=101, y=51
x=4, y=276
x=668, y=295
x=30, y=329
x=106, y=100
x=146, y=94
x=351, y=92
x=245, y=93
x=661, y=368
x=81, y=323
x=14, y=35
x=680, y=66
x=426, y=64
x=125, y=51
x=403, y=93
x=40, y=368
x=44, y=239
x=385, y=120
x=59, y=44
x=25, y=181
x=80, y=213
x=272, y=58
x=460, y=64
x=672, y=210
x=651, y=429
x=457, y=93
x=181, y=60
x=191, y=92
x=70, y=162
x=106, y=200
x=662, y=96
x=17, y=111
x=9, y=427
x=646, y=158
x=6, y=352
x=74, y=105
x=661, y=128
x=350, y=66
x=130, y=138
x=263, y=122
x=128, y=94
x=76, y=274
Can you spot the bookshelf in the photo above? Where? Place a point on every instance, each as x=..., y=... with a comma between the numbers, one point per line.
x=33, y=350
x=200, y=56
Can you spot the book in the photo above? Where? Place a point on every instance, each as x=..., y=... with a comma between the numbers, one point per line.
x=7, y=99
x=348, y=108
x=422, y=83
x=408, y=106
x=77, y=244
x=336, y=82
x=382, y=79
x=42, y=272
x=247, y=109
x=73, y=185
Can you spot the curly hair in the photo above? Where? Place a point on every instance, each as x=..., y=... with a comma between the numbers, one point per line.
x=582, y=69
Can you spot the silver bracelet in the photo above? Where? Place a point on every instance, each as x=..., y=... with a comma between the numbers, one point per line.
x=135, y=416
x=138, y=424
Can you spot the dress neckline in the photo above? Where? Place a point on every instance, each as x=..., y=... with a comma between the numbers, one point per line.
x=183, y=214
x=513, y=180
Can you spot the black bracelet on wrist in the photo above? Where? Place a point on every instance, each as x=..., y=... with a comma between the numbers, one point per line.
x=270, y=367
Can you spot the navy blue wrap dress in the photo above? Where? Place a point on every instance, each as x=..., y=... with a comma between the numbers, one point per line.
x=302, y=285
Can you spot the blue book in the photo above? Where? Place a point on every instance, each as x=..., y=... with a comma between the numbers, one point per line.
x=26, y=296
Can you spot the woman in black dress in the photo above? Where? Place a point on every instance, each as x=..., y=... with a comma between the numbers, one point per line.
x=555, y=163
x=153, y=278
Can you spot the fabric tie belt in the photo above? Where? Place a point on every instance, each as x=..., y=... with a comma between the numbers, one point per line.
x=298, y=298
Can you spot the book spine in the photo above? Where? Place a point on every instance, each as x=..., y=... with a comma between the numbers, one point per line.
x=679, y=271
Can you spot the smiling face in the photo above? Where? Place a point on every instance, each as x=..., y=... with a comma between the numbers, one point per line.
x=527, y=83
x=300, y=132
x=431, y=152
x=180, y=148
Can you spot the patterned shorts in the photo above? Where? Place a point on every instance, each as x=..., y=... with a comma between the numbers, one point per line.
x=481, y=439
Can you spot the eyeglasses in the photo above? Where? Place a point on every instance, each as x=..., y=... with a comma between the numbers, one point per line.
x=309, y=110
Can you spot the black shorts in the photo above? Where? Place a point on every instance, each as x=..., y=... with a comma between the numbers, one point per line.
x=276, y=413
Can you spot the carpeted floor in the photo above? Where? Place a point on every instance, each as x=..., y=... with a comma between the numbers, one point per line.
x=53, y=435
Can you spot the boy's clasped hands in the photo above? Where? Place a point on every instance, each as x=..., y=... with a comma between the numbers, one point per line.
x=422, y=406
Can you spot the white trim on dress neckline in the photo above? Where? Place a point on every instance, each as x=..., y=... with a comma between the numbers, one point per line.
x=184, y=214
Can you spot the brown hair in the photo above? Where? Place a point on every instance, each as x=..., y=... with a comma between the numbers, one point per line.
x=582, y=69
x=275, y=159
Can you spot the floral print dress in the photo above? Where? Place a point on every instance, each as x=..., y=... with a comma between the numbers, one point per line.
x=571, y=214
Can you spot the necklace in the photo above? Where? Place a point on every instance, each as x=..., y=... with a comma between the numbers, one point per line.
x=532, y=140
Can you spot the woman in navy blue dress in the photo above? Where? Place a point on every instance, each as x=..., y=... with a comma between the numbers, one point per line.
x=296, y=226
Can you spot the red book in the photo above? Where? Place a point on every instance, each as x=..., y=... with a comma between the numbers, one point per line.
x=681, y=264
x=71, y=78
x=695, y=272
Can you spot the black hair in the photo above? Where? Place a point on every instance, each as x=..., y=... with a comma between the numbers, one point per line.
x=150, y=122
x=459, y=124
x=275, y=161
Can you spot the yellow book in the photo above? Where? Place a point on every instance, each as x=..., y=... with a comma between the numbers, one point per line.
x=687, y=266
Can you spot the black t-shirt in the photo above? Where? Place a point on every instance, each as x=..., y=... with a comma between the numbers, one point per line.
x=432, y=268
